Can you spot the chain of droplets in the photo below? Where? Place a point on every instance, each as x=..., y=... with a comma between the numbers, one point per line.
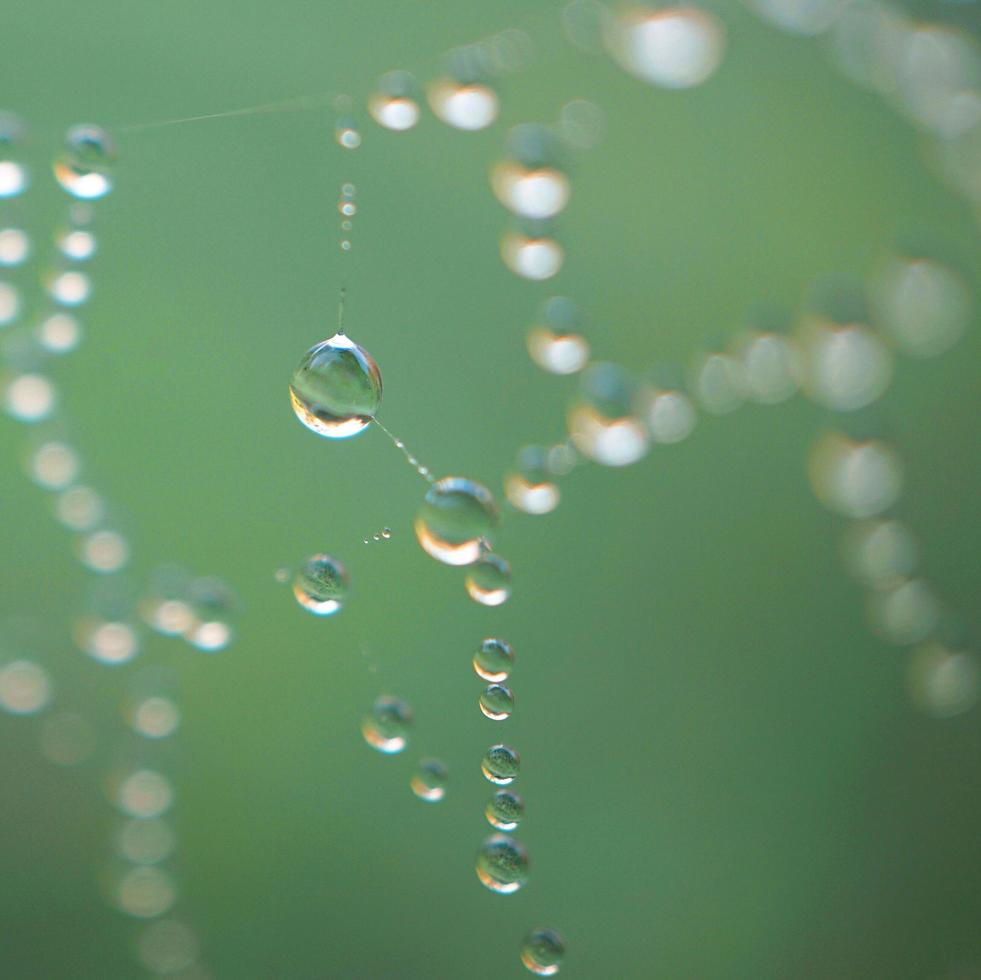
x=135, y=883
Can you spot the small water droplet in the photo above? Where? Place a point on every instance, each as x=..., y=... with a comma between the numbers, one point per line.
x=500, y=764
x=505, y=810
x=494, y=660
x=502, y=864
x=386, y=728
x=321, y=585
x=542, y=951
x=429, y=781
x=496, y=702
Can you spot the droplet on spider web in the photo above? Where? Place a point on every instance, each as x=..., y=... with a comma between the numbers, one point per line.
x=321, y=585
x=556, y=342
x=430, y=780
x=387, y=726
x=530, y=181
x=500, y=765
x=502, y=864
x=456, y=515
x=493, y=660
x=530, y=487
x=602, y=421
x=395, y=104
x=542, y=951
x=505, y=810
x=84, y=167
x=488, y=580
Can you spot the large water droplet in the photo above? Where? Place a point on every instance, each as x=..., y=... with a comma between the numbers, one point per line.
x=336, y=388
x=84, y=168
x=500, y=764
x=496, y=702
x=504, y=810
x=542, y=951
x=602, y=423
x=493, y=660
x=488, y=580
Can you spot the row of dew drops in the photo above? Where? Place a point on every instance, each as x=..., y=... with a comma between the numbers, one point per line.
x=139, y=878
x=842, y=363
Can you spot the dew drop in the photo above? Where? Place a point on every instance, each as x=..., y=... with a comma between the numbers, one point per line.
x=535, y=258
x=25, y=687
x=496, y=702
x=488, y=580
x=500, y=765
x=944, y=682
x=602, y=423
x=456, y=515
x=336, y=389
x=555, y=342
x=494, y=660
x=530, y=489
x=468, y=107
x=84, y=168
x=854, y=478
x=386, y=728
x=502, y=864
x=846, y=366
x=60, y=333
x=429, y=781
x=321, y=585
x=15, y=246
x=395, y=105
x=542, y=951
x=505, y=810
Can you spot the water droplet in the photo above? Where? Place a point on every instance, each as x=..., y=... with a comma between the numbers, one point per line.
x=347, y=208
x=542, y=951
x=677, y=47
x=718, y=383
x=348, y=189
x=155, y=717
x=10, y=304
x=108, y=641
x=84, y=168
x=535, y=258
x=15, y=246
x=846, y=366
x=581, y=123
x=386, y=533
x=70, y=288
x=854, y=478
x=60, y=333
x=77, y=244
x=25, y=687
x=772, y=365
x=387, y=727
x=602, y=423
x=321, y=585
x=505, y=810
x=538, y=194
x=493, y=660
x=30, y=397
x=345, y=247
x=145, y=892
x=169, y=948
x=429, y=782
x=556, y=343
x=104, y=551
x=347, y=135
x=54, y=466
x=670, y=415
x=799, y=16
x=924, y=305
x=468, y=107
x=336, y=389
x=145, y=841
x=144, y=794
x=502, y=864
x=944, y=682
x=880, y=553
x=500, y=765
x=531, y=489
x=496, y=702
x=488, y=580
x=906, y=613
x=79, y=508
x=456, y=515
x=394, y=105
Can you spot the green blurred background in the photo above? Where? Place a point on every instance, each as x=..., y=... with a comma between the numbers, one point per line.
x=724, y=775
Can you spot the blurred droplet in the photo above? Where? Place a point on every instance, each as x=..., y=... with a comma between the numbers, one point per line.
x=601, y=421
x=77, y=244
x=25, y=687
x=59, y=333
x=336, y=388
x=395, y=105
x=167, y=947
x=147, y=841
x=493, y=660
x=321, y=585
x=463, y=106
x=144, y=794
x=502, y=864
x=429, y=781
x=556, y=342
x=15, y=245
x=771, y=366
x=674, y=47
x=905, y=613
x=854, y=478
x=880, y=553
x=145, y=892
x=155, y=717
x=944, y=682
x=718, y=383
x=54, y=466
x=531, y=258
x=386, y=728
x=456, y=515
x=104, y=551
x=79, y=508
x=109, y=642
x=847, y=366
x=670, y=415
x=800, y=16
x=30, y=397
x=530, y=488
x=10, y=304
x=500, y=764
x=70, y=288
x=488, y=580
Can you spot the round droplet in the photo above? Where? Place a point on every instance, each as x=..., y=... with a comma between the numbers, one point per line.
x=77, y=244
x=488, y=580
x=880, y=553
x=59, y=333
x=542, y=951
x=394, y=105
x=13, y=175
x=500, y=764
x=493, y=660
x=531, y=489
x=155, y=717
x=854, y=478
x=907, y=613
x=429, y=782
x=602, y=423
x=25, y=687
x=456, y=515
x=84, y=168
x=496, y=702
x=535, y=258
x=15, y=246
x=676, y=47
x=504, y=810
x=145, y=841
x=718, y=383
x=555, y=342
x=387, y=533
x=944, y=682
x=144, y=794
x=846, y=366
x=387, y=727
x=336, y=389
x=321, y=585
x=502, y=864
x=670, y=416
x=467, y=107
x=772, y=366
x=347, y=135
